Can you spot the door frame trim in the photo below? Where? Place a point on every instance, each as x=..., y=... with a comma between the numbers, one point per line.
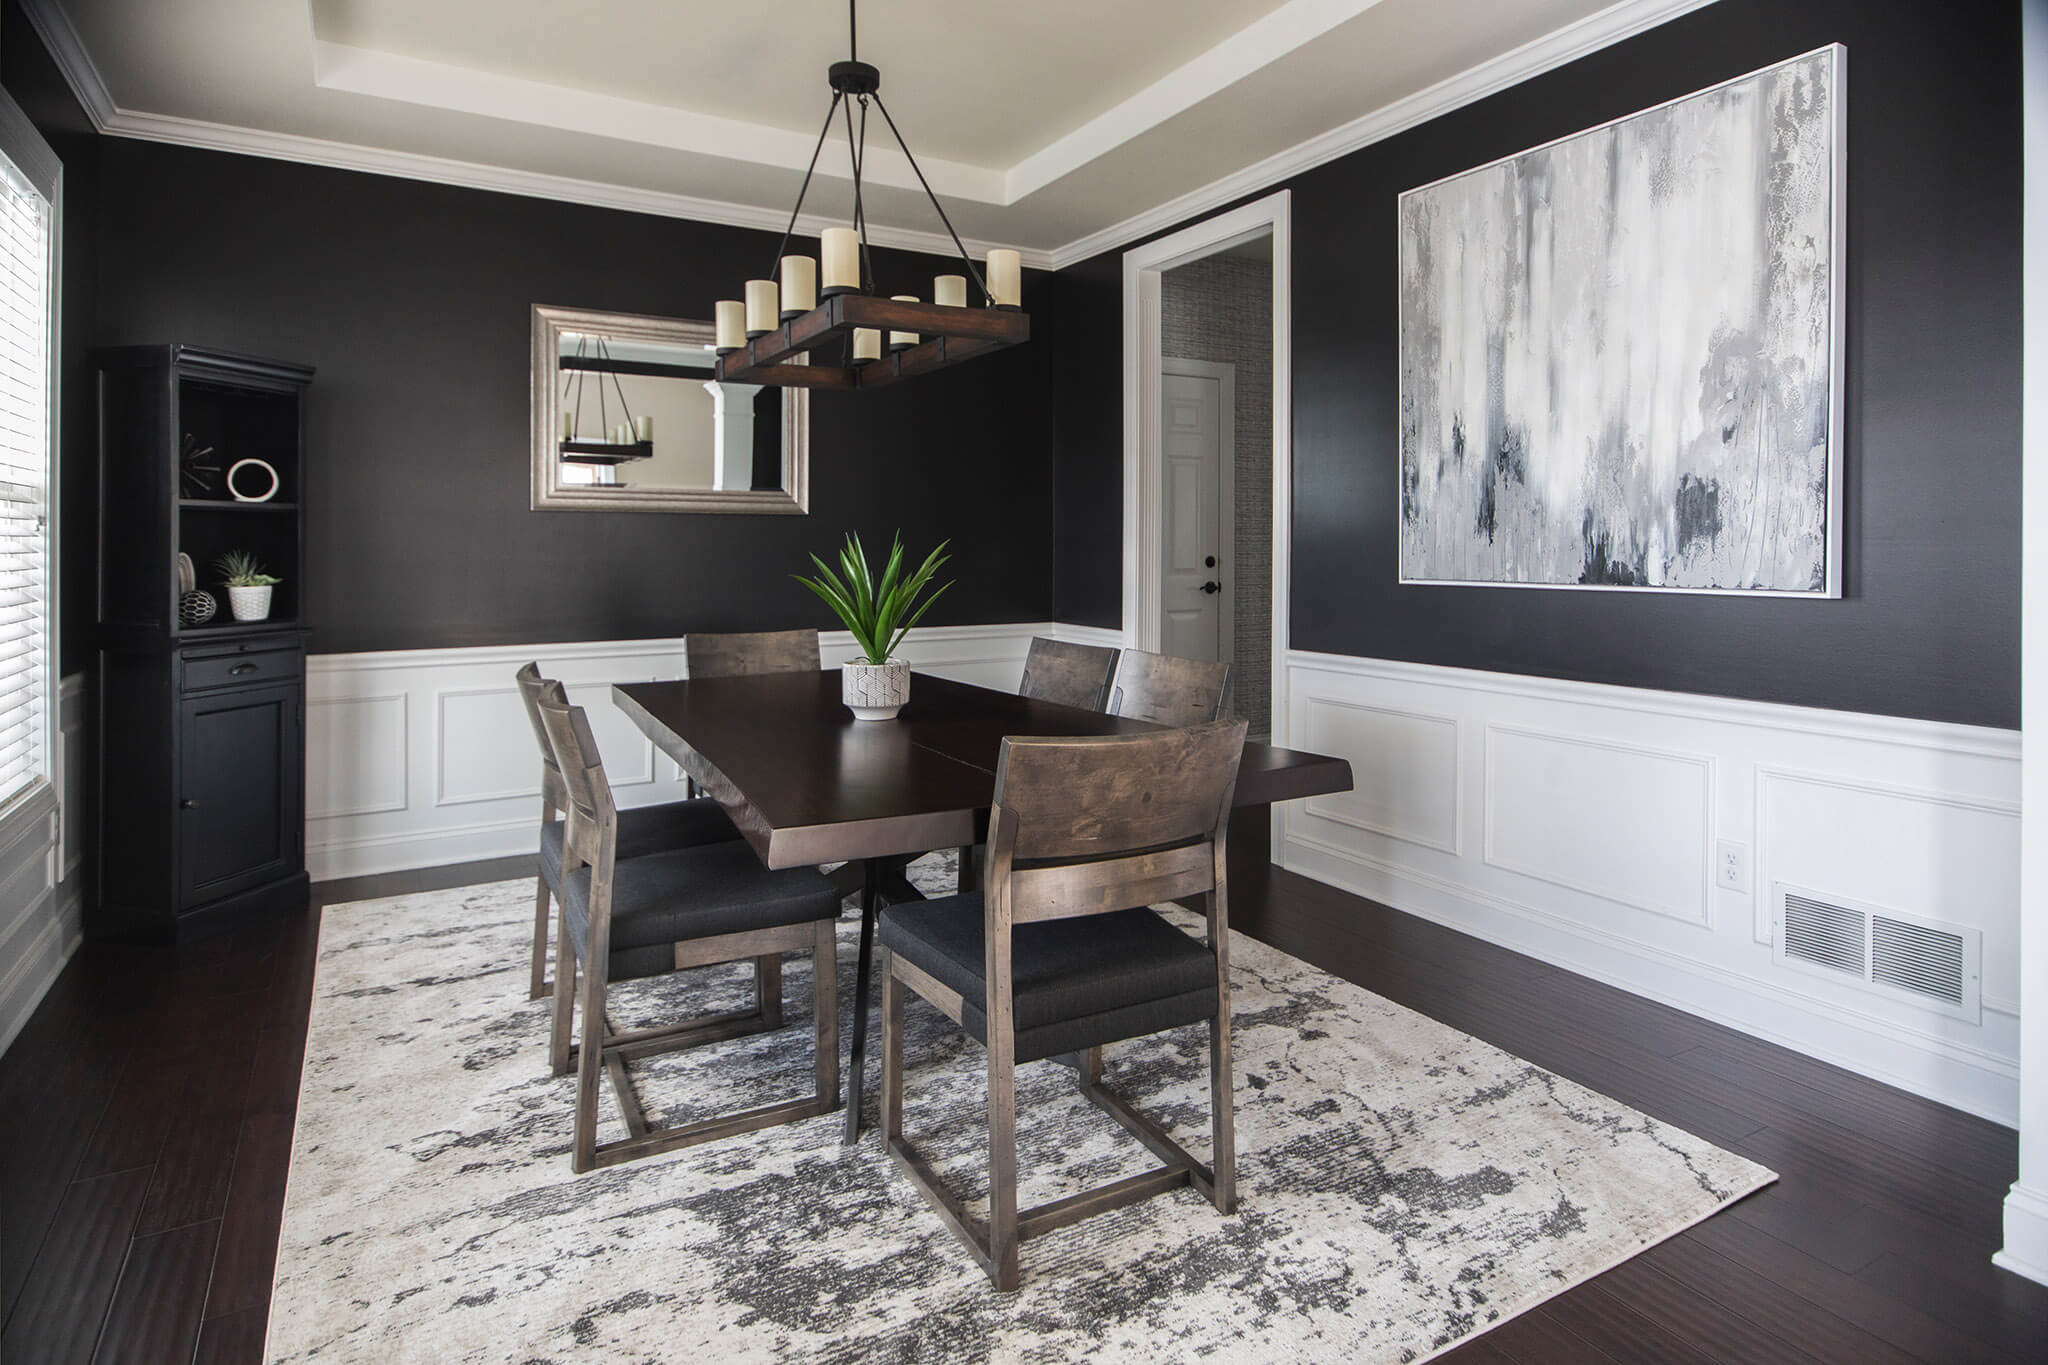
x=1225, y=375
x=1143, y=266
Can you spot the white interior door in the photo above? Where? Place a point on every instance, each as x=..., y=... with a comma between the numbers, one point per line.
x=1194, y=542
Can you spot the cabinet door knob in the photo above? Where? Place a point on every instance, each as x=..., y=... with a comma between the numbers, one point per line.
x=240, y=669
x=188, y=804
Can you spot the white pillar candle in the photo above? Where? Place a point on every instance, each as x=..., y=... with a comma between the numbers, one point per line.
x=646, y=426
x=731, y=324
x=1006, y=277
x=799, y=285
x=762, y=316
x=840, y=251
x=867, y=344
x=898, y=340
x=950, y=290
x=568, y=424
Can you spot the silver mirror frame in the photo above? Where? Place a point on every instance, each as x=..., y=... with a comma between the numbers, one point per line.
x=551, y=495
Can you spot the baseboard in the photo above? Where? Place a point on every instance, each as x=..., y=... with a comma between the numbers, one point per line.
x=35, y=969
x=2026, y=1234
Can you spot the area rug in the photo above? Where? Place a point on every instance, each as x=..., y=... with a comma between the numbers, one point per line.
x=1402, y=1185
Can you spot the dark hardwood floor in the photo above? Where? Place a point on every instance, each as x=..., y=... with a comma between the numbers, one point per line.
x=146, y=1120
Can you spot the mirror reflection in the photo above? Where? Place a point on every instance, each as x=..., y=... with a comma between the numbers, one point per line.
x=628, y=416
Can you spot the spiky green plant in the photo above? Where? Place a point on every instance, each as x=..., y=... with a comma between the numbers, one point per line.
x=239, y=569
x=879, y=611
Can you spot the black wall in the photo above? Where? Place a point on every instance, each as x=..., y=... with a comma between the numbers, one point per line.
x=1929, y=625
x=412, y=301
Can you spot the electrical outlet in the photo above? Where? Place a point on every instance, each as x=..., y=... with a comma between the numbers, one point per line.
x=1731, y=865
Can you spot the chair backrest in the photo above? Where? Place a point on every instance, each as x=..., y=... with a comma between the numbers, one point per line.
x=593, y=821
x=532, y=687
x=1070, y=674
x=1084, y=825
x=1166, y=690
x=769, y=651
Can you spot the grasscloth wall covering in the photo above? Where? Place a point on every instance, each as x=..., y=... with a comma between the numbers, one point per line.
x=412, y=301
x=1929, y=626
x=1221, y=309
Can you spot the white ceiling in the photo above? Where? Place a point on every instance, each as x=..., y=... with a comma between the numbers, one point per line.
x=1059, y=126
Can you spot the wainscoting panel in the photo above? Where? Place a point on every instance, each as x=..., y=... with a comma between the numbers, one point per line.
x=41, y=920
x=421, y=757
x=1602, y=813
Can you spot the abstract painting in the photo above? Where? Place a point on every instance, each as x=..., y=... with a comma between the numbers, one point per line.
x=1619, y=352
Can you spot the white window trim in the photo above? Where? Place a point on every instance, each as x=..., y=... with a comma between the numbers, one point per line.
x=32, y=155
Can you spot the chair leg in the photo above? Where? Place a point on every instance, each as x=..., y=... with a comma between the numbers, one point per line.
x=589, y=1068
x=768, y=989
x=1222, y=1107
x=825, y=1010
x=539, y=984
x=1002, y=1159
x=892, y=1050
x=1090, y=1069
x=565, y=995
x=964, y=879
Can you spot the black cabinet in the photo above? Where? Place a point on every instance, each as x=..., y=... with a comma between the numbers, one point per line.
x=202, y=717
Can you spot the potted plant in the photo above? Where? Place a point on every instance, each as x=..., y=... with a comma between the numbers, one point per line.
x=248, y=586
x=879, y=612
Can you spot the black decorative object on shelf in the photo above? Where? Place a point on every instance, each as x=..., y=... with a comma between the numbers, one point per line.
x=202, y=790
x=198, y=470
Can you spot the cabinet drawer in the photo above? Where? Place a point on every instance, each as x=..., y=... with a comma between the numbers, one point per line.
x=242, y=668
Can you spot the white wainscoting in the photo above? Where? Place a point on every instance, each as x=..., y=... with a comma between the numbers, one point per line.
x=41, y=921
x=421, y=757
x=1579, y=823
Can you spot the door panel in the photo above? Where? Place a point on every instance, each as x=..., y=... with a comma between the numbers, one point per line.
x=1191, y=540
x=239, y=817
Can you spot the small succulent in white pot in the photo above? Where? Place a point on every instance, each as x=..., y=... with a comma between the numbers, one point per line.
x=248, y=586
x=879, y=612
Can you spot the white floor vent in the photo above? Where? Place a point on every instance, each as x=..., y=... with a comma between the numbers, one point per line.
x=1930, y=962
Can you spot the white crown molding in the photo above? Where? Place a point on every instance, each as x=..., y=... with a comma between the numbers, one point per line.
x=1258, y=45
x=443, y=85
x=1619, y=21
x=1568, y=44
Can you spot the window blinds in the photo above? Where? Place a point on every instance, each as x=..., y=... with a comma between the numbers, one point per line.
x=25, y=540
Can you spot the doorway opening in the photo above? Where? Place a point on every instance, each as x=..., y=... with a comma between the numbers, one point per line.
x=1206, y=450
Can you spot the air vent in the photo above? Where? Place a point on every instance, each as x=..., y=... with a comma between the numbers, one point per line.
x=1931, y=962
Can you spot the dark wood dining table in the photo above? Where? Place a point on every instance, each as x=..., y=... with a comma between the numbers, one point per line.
x=807, y=784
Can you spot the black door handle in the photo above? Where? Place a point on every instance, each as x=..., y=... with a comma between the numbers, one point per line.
x=1208, y=561
x=1212, y=586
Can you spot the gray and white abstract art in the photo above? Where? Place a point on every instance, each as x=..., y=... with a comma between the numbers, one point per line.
x=1619, y=351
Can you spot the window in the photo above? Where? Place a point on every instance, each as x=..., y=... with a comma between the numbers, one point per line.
x=28, y=193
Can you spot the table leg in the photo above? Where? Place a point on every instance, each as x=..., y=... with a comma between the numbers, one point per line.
x=856, y=1071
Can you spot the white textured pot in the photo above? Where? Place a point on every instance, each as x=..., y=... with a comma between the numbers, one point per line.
x=250, y=604
x=874, y=691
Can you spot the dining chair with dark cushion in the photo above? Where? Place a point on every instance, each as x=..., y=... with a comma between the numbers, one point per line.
x=1167, y=690
x=1056, y=671
x=642, y=830
x=768, y=651
x=624, y=918
x=1059, y=953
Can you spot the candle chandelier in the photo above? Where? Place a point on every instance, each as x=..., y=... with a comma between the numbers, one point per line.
x=790, y=330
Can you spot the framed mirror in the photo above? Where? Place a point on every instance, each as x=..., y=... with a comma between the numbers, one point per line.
x=628, y=418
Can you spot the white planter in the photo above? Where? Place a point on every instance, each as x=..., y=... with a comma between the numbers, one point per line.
x=874, y=691
x=249, y=604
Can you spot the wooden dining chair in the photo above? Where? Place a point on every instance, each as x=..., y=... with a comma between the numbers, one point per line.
x=640, y=917
x=1056, y=671
x=642, y=830
x=1058, y=954
x=768, y=651
x=1166, y=690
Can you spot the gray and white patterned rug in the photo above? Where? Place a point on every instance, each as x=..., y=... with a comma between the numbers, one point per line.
x=1402, y=1185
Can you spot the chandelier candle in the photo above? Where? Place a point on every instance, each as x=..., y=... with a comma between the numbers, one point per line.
x=950, y=290
x=1006, y=278
x=731, y=325
x=841, y=253
x=762, y=314
x=902, y=341
x=867, y=345
x=799, y=286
